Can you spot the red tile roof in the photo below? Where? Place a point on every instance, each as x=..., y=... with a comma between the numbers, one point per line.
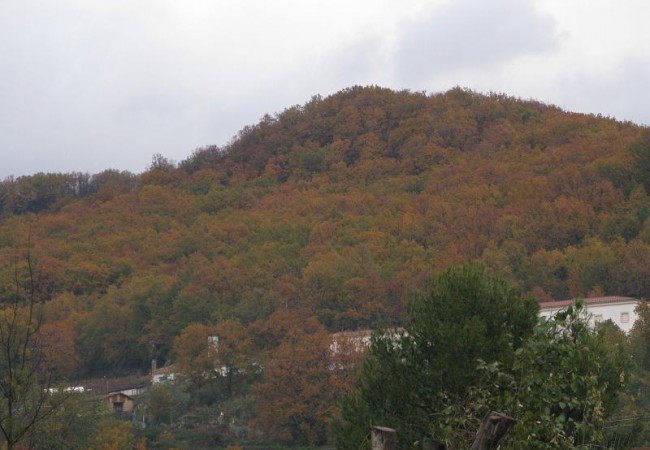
x=588, y=301
x=165, y=370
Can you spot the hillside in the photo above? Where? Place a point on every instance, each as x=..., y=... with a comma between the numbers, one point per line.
x=342, y=206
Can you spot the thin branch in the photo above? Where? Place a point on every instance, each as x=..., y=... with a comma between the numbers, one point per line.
x=25, y=381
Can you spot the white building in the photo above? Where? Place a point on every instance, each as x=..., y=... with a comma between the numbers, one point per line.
x=620, y=310
x=165, y=374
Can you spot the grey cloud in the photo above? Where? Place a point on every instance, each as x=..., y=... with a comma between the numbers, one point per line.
x=87, y=88
x=472, y=34
x=621, y=94
x=631, y=95
x=358, y=62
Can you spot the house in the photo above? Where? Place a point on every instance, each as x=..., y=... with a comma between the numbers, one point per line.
x=163, y=374
x=120, y=402
x=620, y=310
x=132, y=391
x=132, y=385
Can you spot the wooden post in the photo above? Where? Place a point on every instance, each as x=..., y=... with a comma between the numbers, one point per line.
x=383, y=438
x=493, y=428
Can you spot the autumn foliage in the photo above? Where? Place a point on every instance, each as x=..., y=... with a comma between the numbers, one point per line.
x=341, y=207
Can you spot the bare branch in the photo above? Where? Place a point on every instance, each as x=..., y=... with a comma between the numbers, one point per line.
x=26, y=397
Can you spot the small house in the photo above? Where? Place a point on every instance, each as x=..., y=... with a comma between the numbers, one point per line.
x=163, y=374
x=120, y=402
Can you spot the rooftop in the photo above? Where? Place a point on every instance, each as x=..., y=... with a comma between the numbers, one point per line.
x=588, y=301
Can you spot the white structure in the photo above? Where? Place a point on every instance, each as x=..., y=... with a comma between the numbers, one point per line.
x=131, y=391
x=165, y=374
x=350, y=341
x=620, y=310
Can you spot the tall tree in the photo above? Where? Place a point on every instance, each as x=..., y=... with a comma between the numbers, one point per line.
x=640, y=337
x=196, y=357
x=26, y=394
x=296, y=399
x=233, y=353
x=466, y=315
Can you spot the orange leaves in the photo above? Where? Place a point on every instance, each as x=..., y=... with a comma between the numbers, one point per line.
x=343, y=205
x=295, y=398
x=234, y=344
x=194, y=355
x=572, y=220
x=59, y=339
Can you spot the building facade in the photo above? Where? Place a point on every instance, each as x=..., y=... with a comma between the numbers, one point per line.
x=620, y=310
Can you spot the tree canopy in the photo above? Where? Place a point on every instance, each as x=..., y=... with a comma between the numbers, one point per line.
x=341, y=206
x=461, y=357
x=464, y=317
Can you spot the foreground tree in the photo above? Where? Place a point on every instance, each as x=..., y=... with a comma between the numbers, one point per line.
x=559, y=380
x=410, y=376
x=563, y=385
x=26, y=394
x=640, y=348
x=83, y=422
x=640, y=337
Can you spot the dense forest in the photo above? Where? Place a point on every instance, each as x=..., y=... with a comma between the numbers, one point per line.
x=339, y=209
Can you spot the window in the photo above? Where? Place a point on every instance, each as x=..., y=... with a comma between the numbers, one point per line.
x=625, y=317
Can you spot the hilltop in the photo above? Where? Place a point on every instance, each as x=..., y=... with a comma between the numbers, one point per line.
x=341, y=206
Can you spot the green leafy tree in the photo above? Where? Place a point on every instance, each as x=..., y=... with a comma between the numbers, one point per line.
x=83, y=422
x=166, y=403
x=640, y=337
x=466, y=315
x=233, y=355
x=195, y=356
x=640, y=347
x=626, y=423
x=563, y=385
x=640, y=151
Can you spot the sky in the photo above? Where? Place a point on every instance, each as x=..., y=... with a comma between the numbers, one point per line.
x=90, y=85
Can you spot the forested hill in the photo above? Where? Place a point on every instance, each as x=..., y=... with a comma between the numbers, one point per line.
x=343, y=205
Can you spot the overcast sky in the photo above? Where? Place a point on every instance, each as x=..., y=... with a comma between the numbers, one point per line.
x=87, y=85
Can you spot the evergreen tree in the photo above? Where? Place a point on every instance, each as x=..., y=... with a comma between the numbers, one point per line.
x=409, y=376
